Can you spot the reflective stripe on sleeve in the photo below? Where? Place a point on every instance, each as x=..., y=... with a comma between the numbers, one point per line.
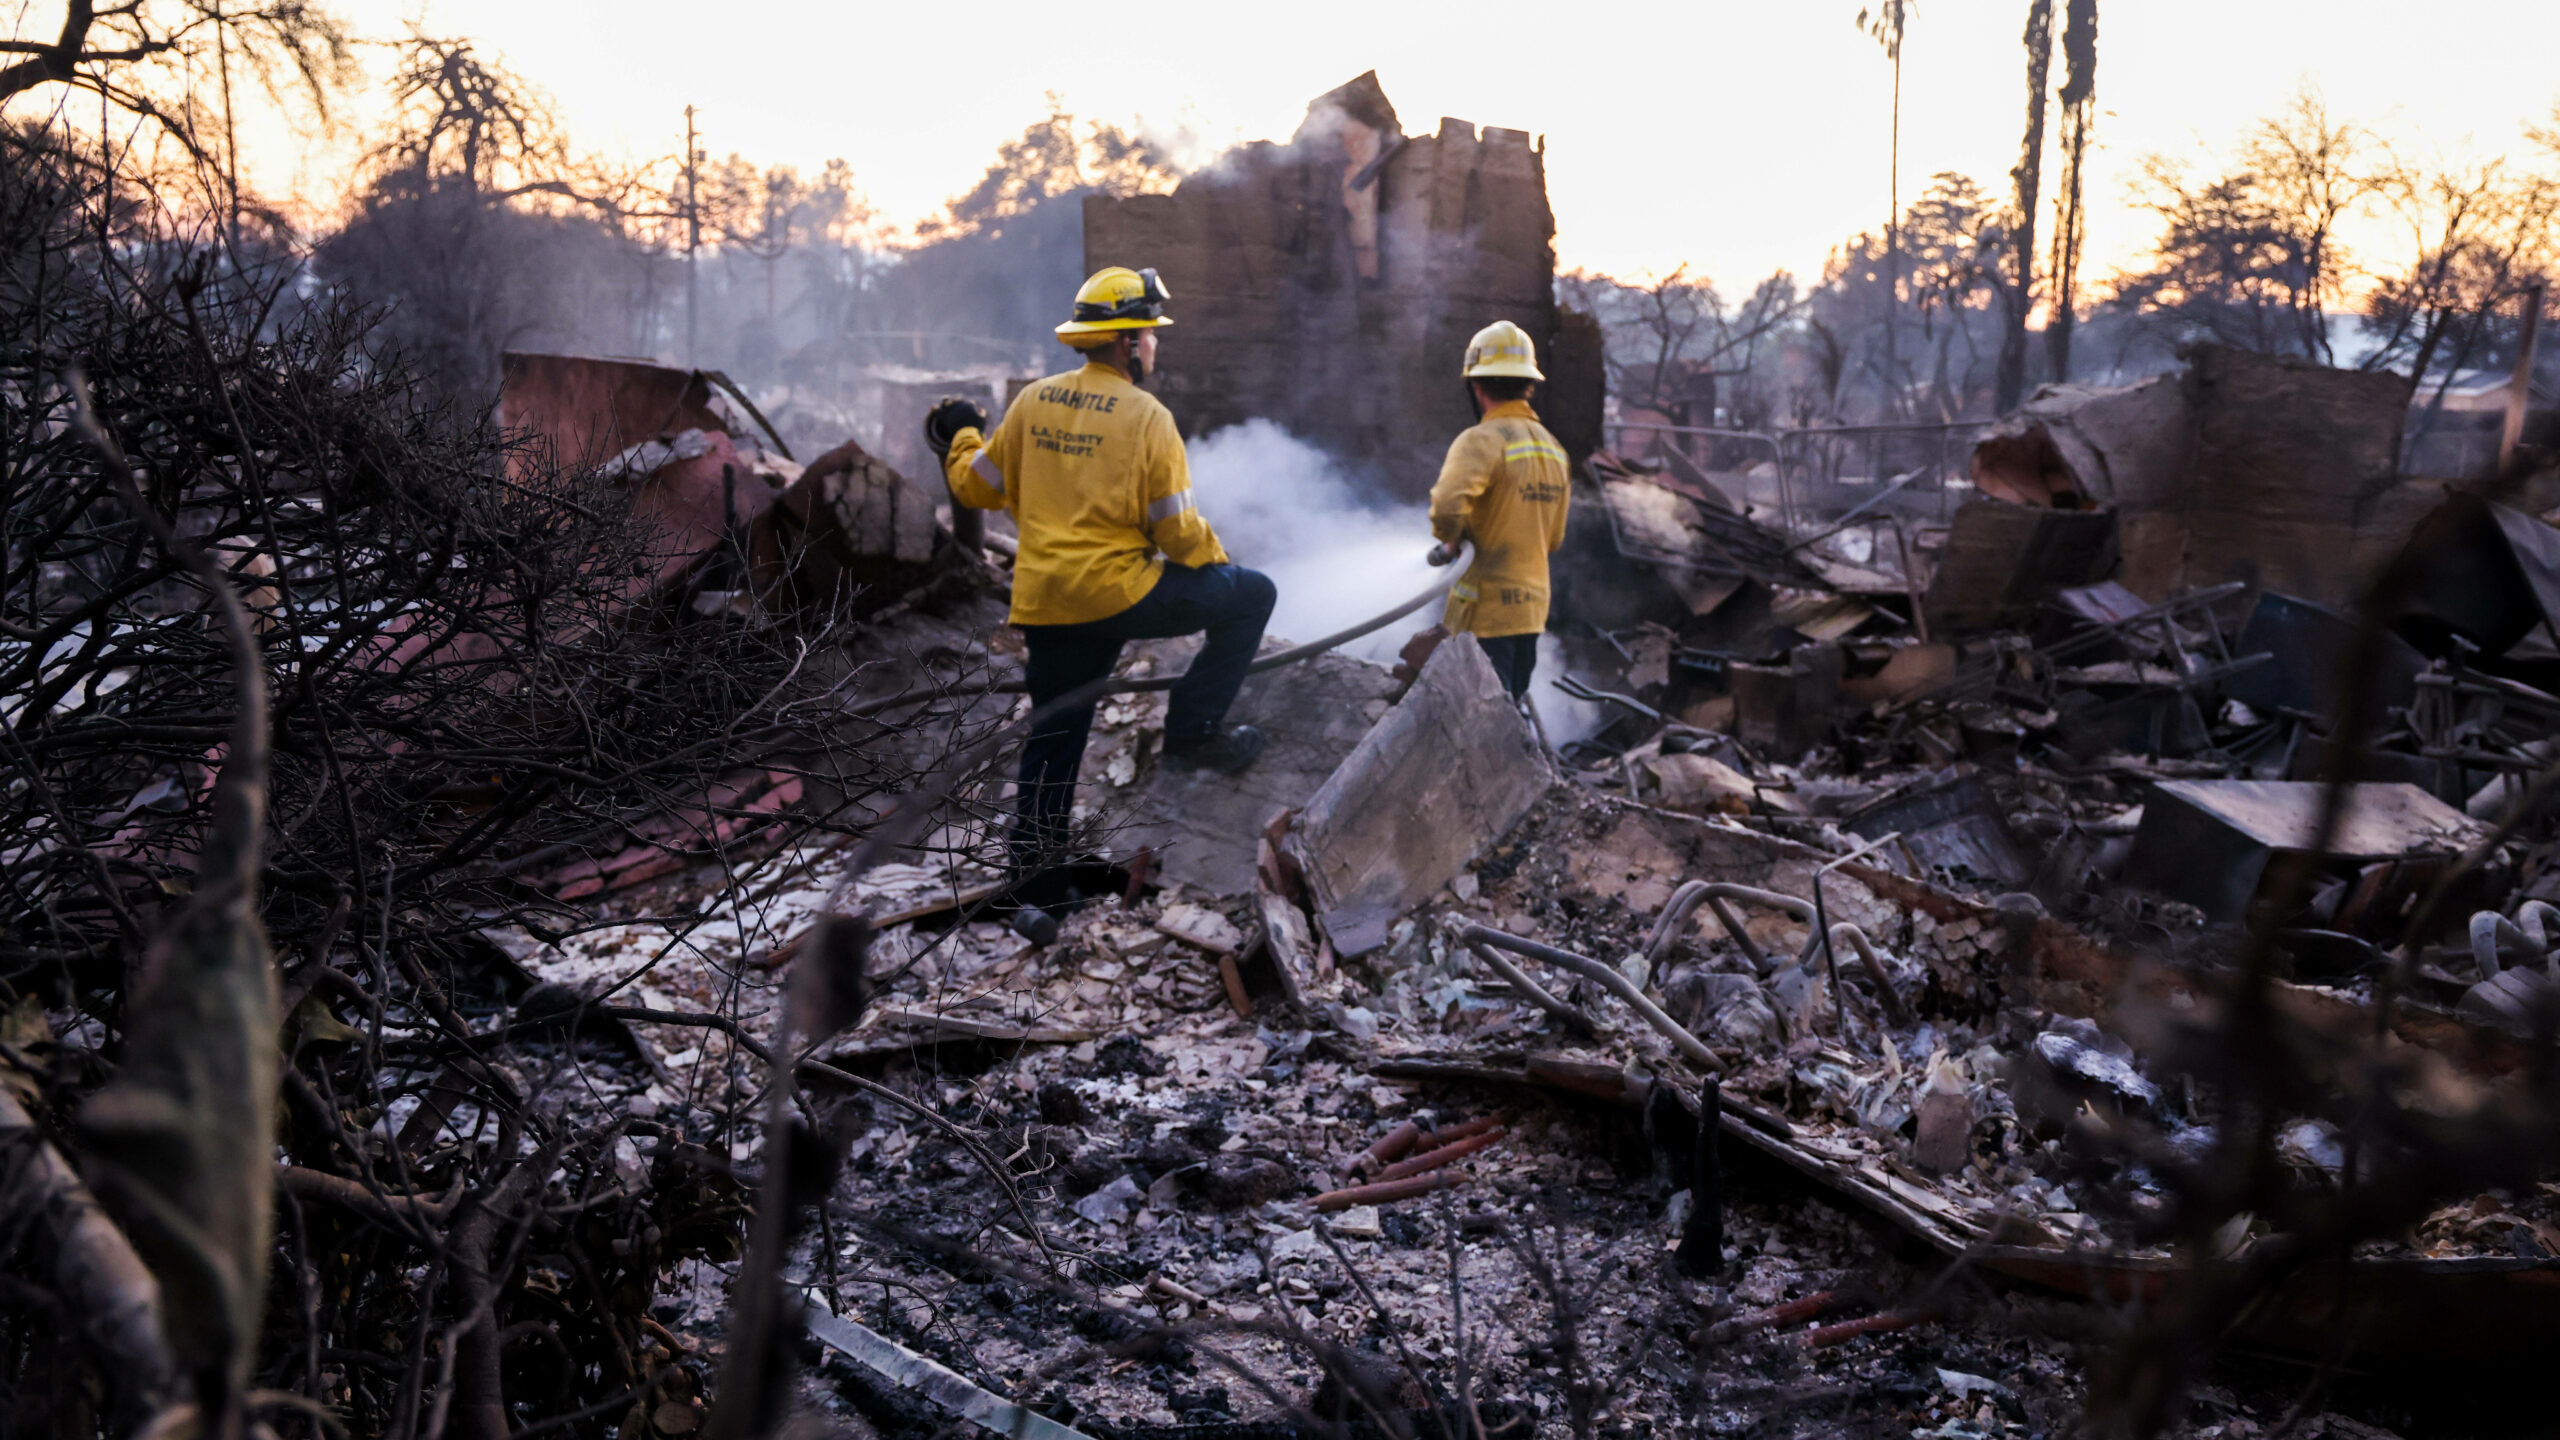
x=1168, y=507
x=1532, y=450
x=985, y=469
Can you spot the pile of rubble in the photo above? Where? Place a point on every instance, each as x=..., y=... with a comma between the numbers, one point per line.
x=1730, y=1065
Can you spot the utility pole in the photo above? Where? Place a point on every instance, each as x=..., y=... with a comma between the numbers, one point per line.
x=1885, y=23
x=2520, y=384
x=1893, y=223
x=692, y=237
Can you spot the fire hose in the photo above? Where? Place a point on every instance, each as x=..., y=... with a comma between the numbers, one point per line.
x=906, y=818
x=1087, y=694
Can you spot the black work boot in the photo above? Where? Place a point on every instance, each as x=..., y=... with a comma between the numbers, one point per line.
x=1034, y=924
x=1229, y=752
x=1039, y=903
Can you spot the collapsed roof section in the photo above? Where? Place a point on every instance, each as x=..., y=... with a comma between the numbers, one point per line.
x=1331, y=284
x=2241, y=466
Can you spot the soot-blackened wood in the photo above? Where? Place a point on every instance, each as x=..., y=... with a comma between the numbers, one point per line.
x=1702, y=1239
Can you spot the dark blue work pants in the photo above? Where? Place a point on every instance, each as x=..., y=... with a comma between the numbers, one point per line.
x=1228, y=602
x=1515, y=660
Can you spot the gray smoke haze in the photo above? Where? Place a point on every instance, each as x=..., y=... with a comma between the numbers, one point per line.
x=1286, y=508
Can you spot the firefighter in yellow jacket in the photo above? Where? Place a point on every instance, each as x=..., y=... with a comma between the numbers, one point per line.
x=1504, y=489
x=1093, y=472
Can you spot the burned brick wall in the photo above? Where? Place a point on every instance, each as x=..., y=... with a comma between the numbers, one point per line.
x=1331, y=284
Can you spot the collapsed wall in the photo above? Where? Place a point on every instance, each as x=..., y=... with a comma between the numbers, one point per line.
x=2264, y=468
x=1331, y=284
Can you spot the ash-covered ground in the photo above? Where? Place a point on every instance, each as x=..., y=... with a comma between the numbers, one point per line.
x=1097, y=1195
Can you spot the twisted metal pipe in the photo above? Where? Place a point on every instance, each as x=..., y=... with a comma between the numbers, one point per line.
x=1536, y=993
x=1894, y=1009
x=1617, y=984
x=1714, y=894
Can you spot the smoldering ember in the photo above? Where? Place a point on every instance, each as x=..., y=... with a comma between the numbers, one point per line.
x=1642, y=863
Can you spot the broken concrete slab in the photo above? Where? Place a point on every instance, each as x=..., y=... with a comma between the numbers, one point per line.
x=850, y=530
x=1448, y=771
x=2209, y=842
x=1202, y=825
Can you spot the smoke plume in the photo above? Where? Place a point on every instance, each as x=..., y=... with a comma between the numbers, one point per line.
x=1288, y=509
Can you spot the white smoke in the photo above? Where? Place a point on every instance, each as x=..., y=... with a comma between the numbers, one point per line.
x=1562, y=717
x=1285, y=508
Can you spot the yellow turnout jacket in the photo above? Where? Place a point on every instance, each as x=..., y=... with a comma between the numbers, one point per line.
x=1092, y=470
x=1505, y=488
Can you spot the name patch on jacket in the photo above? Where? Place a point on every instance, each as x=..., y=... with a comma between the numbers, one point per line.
x=1075, y=399
x=1065, y=442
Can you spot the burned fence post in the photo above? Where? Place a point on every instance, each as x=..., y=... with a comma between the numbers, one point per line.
x=1701, y=1252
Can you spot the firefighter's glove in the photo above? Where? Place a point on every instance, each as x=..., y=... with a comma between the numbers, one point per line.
x=948, y=417
x=1441, y=555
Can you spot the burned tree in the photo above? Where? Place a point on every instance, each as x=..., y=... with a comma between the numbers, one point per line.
x=479, y=229
x=100, y=48
x=476, y=664
x=2251, y=258
x=2079, y=97
x=2027, y=177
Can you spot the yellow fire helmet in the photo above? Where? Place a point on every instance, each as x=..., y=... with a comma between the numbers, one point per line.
x=1116, y=299
x=1502, y=350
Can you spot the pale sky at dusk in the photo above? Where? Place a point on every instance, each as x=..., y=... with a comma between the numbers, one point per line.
x=1735, y=136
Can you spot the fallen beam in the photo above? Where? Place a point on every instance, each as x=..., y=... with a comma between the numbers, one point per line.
x=909, y=1371
x=962, y=1025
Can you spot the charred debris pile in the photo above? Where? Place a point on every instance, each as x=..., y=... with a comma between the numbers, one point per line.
x=1948, y=991
x=1977, y=967
x=2021, y=924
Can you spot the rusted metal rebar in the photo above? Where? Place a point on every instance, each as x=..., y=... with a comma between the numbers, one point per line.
x=1393, y=1145
x=1385, y=1191
x=1433, y=1140
x=1824, y=1337
x=1777, y=1317
x=1448, y=1154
